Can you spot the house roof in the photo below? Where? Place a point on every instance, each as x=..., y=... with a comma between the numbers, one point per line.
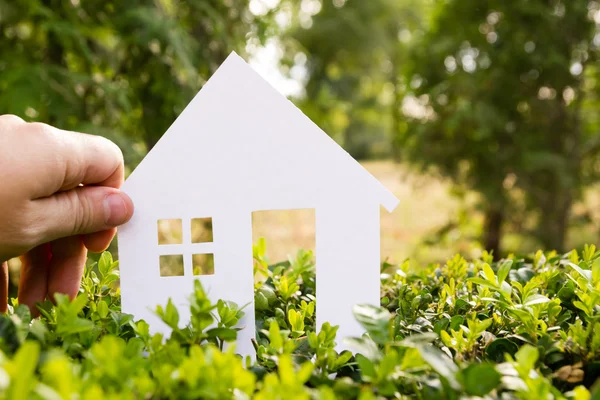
x=237, y=100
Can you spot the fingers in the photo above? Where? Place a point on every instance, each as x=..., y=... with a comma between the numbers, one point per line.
x=3, y=287
x=52, y=268
x=99, y=241
x=89, y=160
x=33, y=284
x=66, y=266
x=9, y=120
x=83, y=210
x=68, y=159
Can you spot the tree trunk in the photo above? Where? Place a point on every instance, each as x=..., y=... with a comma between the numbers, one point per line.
x=561, y=186
x=554, y=221
x=492, y=231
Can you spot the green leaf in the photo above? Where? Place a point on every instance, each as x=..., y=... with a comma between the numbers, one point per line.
x=521, y=275
x=169, y=315
x=75, y=325
x=313, y=340
x=105, y=263
x=456, y=321
x=23, y=380
x=498, y=348
x=342, y=359
x=367, y=368
x=412, y=359
x=596, y=271
x=581, y=393
x=305, y=371
x=483, y=282
x=225, y=334
x=375, y=320
x=292, y=318
x=480, y=379
x=535, y=299
x=103, y=309
x=275, y=335
x=143, y=329
x=488, y=273
x=441, y=364
x=567, y=292
x=503, y=270
x=527, y=356
x=365, y=346
x=441, y=325
x=586, y=274
x=286, y=370
x=260, y=302
x=22, y=311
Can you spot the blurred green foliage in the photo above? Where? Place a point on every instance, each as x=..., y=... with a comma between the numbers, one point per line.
x=515, y=328
x=356, y=53
x=121, y=69
x=505, y=95
x=501, y=97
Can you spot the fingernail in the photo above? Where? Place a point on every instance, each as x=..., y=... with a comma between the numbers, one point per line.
x=115, y=210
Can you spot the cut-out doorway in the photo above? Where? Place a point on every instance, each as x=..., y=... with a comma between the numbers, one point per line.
x=285, y=232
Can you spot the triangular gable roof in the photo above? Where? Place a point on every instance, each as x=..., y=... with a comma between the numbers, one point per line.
x=234, y=64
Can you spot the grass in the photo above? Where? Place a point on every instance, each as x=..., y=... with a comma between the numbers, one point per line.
x=425, y=204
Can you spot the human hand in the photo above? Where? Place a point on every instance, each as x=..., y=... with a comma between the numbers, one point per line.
x=59, y=197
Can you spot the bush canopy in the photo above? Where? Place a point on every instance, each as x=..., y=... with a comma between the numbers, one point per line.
x=517, y=328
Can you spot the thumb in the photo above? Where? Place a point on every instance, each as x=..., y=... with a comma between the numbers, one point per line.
x=83, y=210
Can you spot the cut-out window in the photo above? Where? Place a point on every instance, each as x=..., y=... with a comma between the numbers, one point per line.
x=203, y=264
x=169, y=231
x=186, y=247
x=171, y=265
x=202, y=230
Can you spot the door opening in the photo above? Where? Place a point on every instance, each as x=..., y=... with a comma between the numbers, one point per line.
x=284, y=264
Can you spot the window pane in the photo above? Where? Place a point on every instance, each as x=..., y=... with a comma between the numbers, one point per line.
x=169, y=231
x=171, y=265
x=204, y=264
x=202, y=230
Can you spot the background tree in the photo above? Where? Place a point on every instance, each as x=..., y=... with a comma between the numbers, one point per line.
x=355, y=54
x=121, y=69
x=501, y=87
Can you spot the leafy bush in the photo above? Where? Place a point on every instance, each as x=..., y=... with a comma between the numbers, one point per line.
x=515, y=328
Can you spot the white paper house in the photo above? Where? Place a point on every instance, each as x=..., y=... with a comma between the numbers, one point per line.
x=239, y=147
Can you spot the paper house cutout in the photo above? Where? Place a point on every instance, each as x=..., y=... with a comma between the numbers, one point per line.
x=239, y=147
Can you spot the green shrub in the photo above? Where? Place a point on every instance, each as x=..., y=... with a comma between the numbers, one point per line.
x=517, y=328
